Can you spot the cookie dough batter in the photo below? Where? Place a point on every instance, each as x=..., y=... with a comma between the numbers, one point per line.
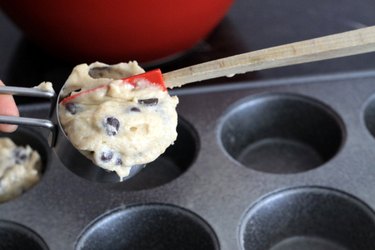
x=45, y=86
x=119, y=125
x=19, y=169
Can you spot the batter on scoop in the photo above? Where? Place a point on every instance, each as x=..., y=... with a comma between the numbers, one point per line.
x=19, y=169
x=119, y=125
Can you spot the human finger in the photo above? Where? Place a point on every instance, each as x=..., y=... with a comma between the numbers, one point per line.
x=7, y=107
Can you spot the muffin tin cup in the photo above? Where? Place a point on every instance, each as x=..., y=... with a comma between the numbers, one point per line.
x=308, y=218
x=23, y=137
x=281, y=133
x=292, y=155
x=16, y=236
x=148, y=226
x=171, y=164
x=28, y=136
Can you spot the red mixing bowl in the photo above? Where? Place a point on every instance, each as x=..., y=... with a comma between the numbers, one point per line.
x=117, y=30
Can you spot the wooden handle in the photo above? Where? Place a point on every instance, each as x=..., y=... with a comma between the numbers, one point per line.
x=327, y=47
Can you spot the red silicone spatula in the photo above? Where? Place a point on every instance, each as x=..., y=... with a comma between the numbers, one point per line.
x=153, y=77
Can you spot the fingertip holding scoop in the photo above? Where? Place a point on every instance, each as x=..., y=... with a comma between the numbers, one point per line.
x=8, y=128
x=8, y=107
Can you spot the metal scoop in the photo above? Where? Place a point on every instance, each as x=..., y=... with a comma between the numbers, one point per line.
x=68, y=154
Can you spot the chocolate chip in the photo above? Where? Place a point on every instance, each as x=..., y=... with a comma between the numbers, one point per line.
x=135, y=109
x=71, y=108
x=99, y=72
x=20, y=155
x=149, y=102
x=106, y=156
x=118, y=161
x=111, y=125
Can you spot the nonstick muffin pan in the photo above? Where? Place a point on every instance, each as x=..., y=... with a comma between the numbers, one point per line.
x=282, y=164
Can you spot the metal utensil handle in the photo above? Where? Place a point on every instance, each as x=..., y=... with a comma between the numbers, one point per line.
x=23, y=91
x=26, y=121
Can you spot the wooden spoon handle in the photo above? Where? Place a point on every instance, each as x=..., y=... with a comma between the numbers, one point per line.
x=326, y=47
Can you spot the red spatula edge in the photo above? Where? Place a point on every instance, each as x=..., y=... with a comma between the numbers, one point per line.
x=154, y=77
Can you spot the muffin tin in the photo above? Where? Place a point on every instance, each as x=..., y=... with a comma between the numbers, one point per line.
x=280, y=164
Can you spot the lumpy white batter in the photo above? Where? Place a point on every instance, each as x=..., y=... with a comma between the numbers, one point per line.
x=45, y=86
x=19, y=169
x=120, y=125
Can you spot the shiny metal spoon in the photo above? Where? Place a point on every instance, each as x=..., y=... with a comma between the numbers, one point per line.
x=57, y=139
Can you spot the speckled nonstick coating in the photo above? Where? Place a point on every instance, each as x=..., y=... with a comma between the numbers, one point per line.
x=282, y=164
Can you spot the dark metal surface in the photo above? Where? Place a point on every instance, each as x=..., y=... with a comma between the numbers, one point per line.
x=148, y=227
x=207, y=181
x=202, y=172
x=15, y=236
x=309, y=218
